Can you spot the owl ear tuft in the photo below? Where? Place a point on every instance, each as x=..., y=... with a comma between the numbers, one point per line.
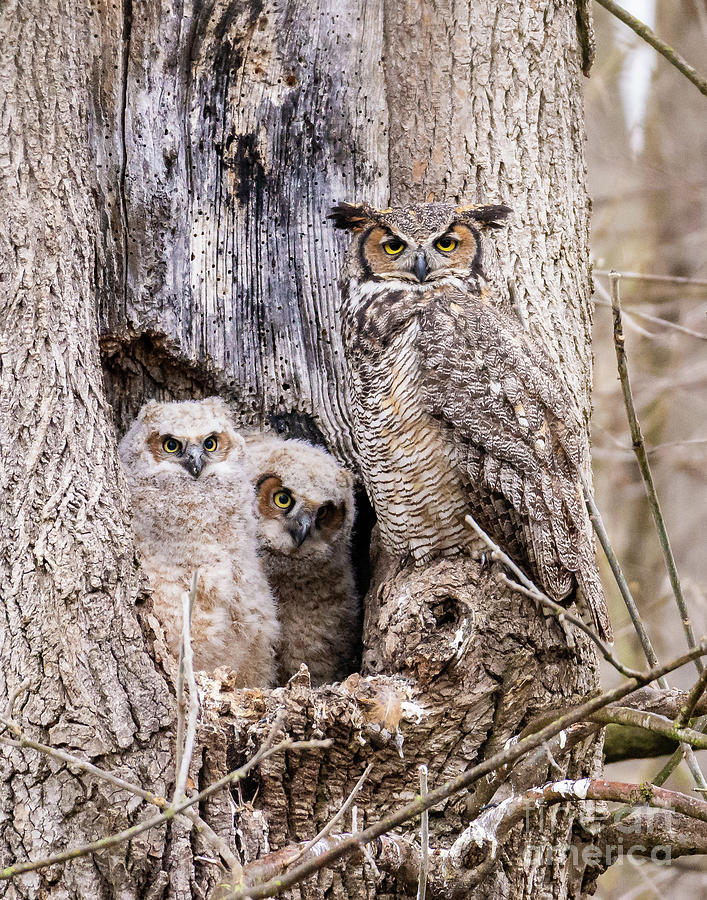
x=486, y=215
x=351, y=216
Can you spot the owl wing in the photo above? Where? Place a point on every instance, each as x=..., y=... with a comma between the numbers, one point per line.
x=517, y=442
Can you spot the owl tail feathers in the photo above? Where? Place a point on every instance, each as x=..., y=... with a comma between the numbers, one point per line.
x=591, y=604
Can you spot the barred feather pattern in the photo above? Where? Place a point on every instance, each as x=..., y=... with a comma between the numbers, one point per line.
x=457, y=411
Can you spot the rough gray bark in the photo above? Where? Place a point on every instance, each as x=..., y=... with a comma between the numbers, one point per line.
x=68, y=578
x=220, y=134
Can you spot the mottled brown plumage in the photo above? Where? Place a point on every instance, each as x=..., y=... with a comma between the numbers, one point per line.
x=456, y=409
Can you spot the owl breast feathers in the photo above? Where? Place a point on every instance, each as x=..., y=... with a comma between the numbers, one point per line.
x=194, y=509
x=456, y=410
x=305, y=510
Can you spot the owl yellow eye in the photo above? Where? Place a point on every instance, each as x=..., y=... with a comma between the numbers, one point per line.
x=393, y=247
x=171, y=445
x=210, y=444
x=283, y=500
x=446, y=244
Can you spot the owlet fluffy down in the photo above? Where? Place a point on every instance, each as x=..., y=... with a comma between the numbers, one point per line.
x=194, y=508
x=305, y=509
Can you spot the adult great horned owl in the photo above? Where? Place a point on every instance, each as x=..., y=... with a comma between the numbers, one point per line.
x=456, y=409
x=194, y=508
x=305, y=509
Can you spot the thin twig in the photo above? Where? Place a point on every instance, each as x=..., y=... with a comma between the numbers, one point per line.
x=424, y=839
x=643, y=465
x=596, y=519
x=13, y=695
x=508, y=755
x=631, y=310
x=529, y=589
x=169, y=813
x=620, y=578
x=75, y=762
x=666, y=279
x=327, y=829
x=693, y=699
x=677, y=757
x=186, y=671
x=683, y=718
x=624, y=715
x=650, y=37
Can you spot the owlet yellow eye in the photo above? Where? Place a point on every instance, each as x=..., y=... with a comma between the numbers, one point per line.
x=446, y=244
x=210, y=444
x=283, y=500
x=393, y=247
x=171, y=445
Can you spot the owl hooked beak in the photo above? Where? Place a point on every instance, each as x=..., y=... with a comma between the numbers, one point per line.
x=192, y=461
x=421, y=267
x=299, y=524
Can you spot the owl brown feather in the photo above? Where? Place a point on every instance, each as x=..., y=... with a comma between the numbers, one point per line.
x=456, y=409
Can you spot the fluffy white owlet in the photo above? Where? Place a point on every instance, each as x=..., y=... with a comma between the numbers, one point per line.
x=456, y=409
x=305, y=509
x=194, y=508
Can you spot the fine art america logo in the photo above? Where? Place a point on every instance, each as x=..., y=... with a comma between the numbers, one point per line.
x=638, y=835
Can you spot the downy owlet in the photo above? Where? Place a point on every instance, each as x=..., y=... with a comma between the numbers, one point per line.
x=305, y=509
x=194, y=508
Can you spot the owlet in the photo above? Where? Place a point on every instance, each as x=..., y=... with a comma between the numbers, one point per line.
x=305, y=509
x=194, y=508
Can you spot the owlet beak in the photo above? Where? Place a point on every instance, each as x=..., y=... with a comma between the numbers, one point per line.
x=299, y=524
x=193, y=462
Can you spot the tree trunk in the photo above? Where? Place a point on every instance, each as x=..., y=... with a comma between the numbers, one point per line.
x=68, y=577
x=195, y=151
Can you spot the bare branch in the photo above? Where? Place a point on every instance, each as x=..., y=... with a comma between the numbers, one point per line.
x=683, y=835
x=666, y=279
x=623, y=715
x=169, y=813
x=529, y=589
x=491, y=828
x=643, y=465
x=447, y=877
x=82, y=765
x=650, y=37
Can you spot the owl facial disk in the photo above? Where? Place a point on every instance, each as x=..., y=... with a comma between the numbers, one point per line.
x=422, y=258
x=297, y=518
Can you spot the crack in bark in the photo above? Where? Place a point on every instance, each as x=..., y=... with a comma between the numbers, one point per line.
x=125, y=62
